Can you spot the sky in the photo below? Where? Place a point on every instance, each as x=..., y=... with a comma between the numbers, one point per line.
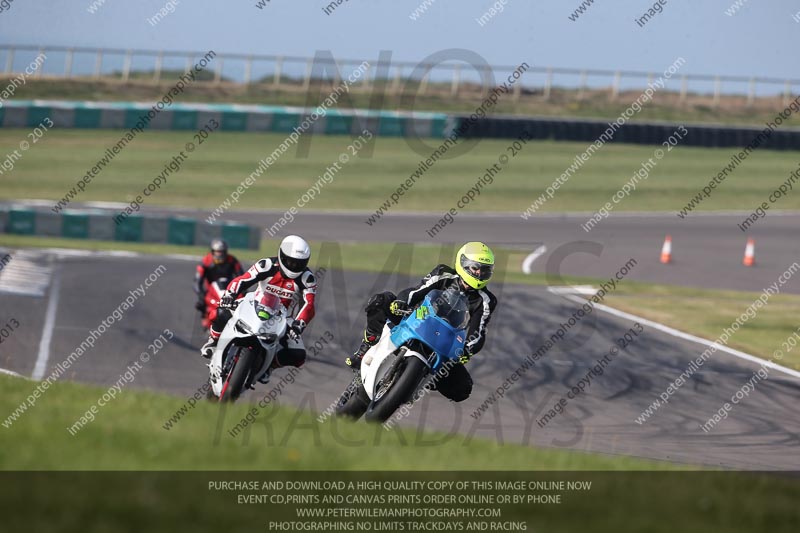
x=761, y=39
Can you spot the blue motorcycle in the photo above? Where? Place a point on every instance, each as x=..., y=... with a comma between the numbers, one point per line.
x=419, y=346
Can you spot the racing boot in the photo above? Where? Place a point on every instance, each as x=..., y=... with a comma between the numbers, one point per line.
x=265, y=378
x=354, y=361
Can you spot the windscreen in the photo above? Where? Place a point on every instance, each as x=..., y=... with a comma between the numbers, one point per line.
x=451, y=306
x=267, y=305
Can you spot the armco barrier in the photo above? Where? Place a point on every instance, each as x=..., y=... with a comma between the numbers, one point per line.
x=263, y=118
x=100, y=225
x=232, y=117
x=654, y=133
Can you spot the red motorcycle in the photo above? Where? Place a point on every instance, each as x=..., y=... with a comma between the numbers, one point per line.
x=213, y=294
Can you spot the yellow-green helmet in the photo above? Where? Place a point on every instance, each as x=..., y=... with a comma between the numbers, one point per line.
x=475, y=264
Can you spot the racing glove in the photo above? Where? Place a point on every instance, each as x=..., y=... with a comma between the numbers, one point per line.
x=354, y=363
x=296, y=329
x=226, y=300
x=464, y=358
x=399, y=308
x=200, y=305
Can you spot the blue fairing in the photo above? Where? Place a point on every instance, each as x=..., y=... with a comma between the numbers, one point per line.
x=439, y=335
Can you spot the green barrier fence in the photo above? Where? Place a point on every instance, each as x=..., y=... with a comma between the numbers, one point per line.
x=75, y=225
x=181, y=231
x=100, y=225
x=129, y=229
x=126, y=115
x=22, y=222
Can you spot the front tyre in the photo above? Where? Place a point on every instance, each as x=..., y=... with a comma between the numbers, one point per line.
x=404, y=383
x=245, y=361
x=354, y=401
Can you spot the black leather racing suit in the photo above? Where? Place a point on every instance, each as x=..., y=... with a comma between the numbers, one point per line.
x=457, y=384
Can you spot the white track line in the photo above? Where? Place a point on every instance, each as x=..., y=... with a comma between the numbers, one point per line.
x=47, y=332
x=66, y=253
x=528, y=262
x=25, y=275
x=586, y=290
x=11, y=373
x=688, y=337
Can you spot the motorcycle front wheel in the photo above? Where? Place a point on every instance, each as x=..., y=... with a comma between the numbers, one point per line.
x=354, y=401
x=390, y=396
x=245, y=362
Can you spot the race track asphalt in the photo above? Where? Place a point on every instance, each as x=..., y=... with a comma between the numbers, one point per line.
x=707, y=249
x=762, y=431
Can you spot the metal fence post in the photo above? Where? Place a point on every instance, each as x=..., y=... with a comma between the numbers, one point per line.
x=218, y=70
x=615, y=85
x=248, y=69
x=98, y=64
x=337, y=76
x=684, y=88
x=456, y=79
x=548, y=83
x=397, y=77
x=68, y=64
x=126, y=66
x=717, y=89
x=276, y=79
x=751, y=93
x=307, y=79
x=39, y=70
x=423, y=83
x=582, y=86
x=10, y=61
x=159, y=66
x=787, y=92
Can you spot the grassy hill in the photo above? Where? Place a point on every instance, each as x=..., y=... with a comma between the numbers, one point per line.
x=590, y=103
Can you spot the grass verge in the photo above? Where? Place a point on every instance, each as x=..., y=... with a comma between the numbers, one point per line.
x=49, y=169
x=128, y=434
x=706, y=313
x=147, y=478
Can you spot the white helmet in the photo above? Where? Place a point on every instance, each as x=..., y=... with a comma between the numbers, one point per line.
x=293, y=256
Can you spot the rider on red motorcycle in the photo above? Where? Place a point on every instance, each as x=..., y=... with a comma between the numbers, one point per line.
x=215, y=266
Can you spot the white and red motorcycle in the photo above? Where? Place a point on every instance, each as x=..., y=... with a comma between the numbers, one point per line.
x=248, y=344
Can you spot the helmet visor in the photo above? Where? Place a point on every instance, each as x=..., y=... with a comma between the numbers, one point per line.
x=476, y=269
x=293, y=264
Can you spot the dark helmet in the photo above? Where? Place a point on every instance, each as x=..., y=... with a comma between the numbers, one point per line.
x=219, y=249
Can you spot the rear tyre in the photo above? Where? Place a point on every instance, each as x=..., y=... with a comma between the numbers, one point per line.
x=242, y=369
x=354, y=401
x=405, y=383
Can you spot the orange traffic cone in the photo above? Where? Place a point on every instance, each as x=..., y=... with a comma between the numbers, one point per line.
x=666, y=250
x=749, y=253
